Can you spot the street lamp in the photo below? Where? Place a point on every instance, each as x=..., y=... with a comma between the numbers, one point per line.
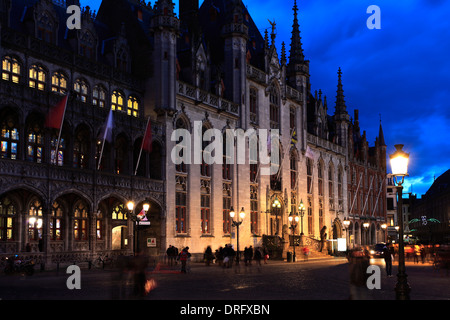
x=237, y=223
x=346, y=226
x=301, y=210
x=293, y=219
x=399, y=165
x=136, y=218
x=366, y=228
x=276, y=204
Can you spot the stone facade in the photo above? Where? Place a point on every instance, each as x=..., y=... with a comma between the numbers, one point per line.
x=210, y=66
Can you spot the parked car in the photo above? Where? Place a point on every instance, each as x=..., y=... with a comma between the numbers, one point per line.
x=377, y=251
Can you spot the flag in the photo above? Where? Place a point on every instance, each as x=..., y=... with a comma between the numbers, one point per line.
x=147, y=141
x=309, y=152
x=294, y=138
x=142, y=215
x=106, y=133
x=55, y=117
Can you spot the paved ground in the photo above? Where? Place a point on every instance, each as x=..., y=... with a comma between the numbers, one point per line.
x=313, y=280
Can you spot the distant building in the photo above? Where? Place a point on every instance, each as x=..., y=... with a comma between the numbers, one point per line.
x=430, y=215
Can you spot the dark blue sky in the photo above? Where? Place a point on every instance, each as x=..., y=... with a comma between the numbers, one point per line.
x=401, y=71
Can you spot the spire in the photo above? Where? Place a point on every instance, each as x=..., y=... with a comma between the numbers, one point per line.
x=296, y=52
x=340, y=102
x=381, y=135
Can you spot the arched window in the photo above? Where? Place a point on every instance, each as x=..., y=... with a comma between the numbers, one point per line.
x=81, y=148
x=10, y=69
x=320, y=177
x=9, y=137
x=121, y=155
x=274, y=109
x=117, y=101
x=133, y=106
x=35, y=141
x=7, y=219
x=181, y=188
x=35, y=221
x=331, y=186
x=99, y=96
x=87, y=43
x=293, y=165
x=309, y=172
x=81, y=88
x=57, y=158
x=122, y=60
x=80, y=222
x=45, y=27
x=205, y=168
x=59, y=83
x=254, y=105
x=56, y=222
x=37, y=77
x=119, y=212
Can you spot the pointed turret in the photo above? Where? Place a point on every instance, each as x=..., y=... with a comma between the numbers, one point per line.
x=341, y=116
x=298, y=67
x=340, y=102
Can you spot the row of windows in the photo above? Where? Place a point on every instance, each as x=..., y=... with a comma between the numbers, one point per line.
x=37, y=79
x=57, y=221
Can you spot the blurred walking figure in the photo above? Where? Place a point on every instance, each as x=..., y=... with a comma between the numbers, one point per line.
x=184, y=257
x=358, y=264
x=208, y=256
x=257, y=257
x=171, y=255
x=305, y=253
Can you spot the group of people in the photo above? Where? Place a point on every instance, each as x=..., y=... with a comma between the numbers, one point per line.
x=174, y=256
x=224, y=256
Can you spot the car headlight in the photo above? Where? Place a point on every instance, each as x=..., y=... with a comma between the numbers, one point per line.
x=372, y=252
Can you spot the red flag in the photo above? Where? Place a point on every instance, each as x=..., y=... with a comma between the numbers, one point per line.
x=56, y=115
x=147, y=141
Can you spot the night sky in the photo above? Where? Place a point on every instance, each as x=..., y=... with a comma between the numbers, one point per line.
x=401, y=71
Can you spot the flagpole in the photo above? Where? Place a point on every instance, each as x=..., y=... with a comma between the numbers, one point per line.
x=103, y=144
x=142, y=146
x=60, y=129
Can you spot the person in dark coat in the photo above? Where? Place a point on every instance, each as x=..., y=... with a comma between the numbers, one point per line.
x=388, y=261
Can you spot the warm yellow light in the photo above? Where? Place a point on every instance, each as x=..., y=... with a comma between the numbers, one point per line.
x=242, y=213
x=146, y=206
x=130, y=205
x=399, y=161
x=232, y=213
x=301, y=206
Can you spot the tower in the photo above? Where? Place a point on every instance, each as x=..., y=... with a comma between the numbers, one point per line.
x=341, y=117
x=235, y=34
x=298, y=67
x=165, y=27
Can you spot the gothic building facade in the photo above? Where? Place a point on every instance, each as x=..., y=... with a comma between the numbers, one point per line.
x=208, y=68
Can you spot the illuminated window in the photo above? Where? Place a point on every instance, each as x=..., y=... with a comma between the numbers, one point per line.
x=80, y=222
x=133, y=106
x=56, y=222
x=99, y=226
x=35, y=221
x=7, y=219
x=119, y=212
x=35, y=143
x=9, y=138
x=81, y=88
x=37, y=77
x=117, y=101
x=57, y=158
x=99, y=96
x=59, y=83
x=10, y=69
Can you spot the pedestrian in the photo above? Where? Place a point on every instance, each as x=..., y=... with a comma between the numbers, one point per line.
x=323, y=237
x=208, y=256
x=305, y=253
x=388, y=261
x=219, y=256
x=170, y=254
x=266, y=255
x=358, y=264
x=184, y=256
x=257, y=257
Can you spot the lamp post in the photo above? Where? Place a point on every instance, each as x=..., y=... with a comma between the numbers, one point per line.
x=237, y=223
x=346, y=226
x=276, y=204
x=384, y=226
x=136, y=218
x=399, y=165
x=301, y=210
x=293, y=219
